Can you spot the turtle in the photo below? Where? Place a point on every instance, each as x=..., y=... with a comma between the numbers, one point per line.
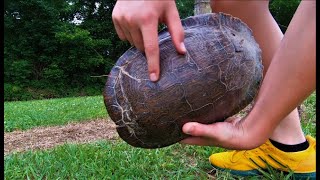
x=218, y=76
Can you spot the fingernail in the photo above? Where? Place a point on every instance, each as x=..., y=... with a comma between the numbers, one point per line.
x=183, y=47
x=153, y=77
x=188, y=129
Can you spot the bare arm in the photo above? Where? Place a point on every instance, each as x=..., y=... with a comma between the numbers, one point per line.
x=289, y=80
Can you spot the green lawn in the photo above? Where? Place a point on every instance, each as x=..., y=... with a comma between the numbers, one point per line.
x=108, y=159
x=24, y=115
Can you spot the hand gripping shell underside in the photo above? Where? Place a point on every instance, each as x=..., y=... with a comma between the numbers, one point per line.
x=218, y=76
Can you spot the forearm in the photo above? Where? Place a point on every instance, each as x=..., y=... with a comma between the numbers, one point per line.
x=291, y=75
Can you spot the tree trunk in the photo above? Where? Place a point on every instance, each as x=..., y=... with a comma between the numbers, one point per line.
x=202, y=7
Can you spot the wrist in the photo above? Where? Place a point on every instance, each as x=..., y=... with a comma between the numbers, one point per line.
x=258, y=126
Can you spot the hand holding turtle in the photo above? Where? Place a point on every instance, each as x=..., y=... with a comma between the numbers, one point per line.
x=233, y=133
x=137, y=22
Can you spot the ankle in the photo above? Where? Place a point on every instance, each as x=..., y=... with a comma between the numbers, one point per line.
x=289, y=130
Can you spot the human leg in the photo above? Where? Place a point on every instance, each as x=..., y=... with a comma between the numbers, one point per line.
x=266, y=31
x=289, y=132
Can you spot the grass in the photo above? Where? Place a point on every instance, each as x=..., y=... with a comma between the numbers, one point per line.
x=110, y=160
x=114, y=159
x=308, y=120
x=23, y=115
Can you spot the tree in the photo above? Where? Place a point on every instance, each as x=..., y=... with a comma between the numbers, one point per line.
x=56, y=46
x=283, y=11
x=29, y=40
x=46, y=51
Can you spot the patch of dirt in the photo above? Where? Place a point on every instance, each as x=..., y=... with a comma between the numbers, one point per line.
x=49, y=137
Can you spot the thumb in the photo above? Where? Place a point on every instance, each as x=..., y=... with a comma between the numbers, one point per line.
x=176, y=30
x=202, y=130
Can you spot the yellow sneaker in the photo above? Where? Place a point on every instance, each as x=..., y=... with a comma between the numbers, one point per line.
x=247, y=162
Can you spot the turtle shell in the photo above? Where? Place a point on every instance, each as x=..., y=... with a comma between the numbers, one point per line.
x=217, y=77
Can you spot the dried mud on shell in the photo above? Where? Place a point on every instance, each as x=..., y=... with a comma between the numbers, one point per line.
x=49, y=137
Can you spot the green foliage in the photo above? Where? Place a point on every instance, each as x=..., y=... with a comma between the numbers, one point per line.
x=283, y=11
x=29, y=41
x=15, y=92
x=78, y=58
x=47, y=54
x=185, y=8
x=54, y=73
x=19, y=70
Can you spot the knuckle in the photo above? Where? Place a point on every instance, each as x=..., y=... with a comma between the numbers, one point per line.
x=131, y=21
x=151, y=48
x=115, y=16
x=153, y=66
x=128, y=18
x=147, y=17
x=121, y=37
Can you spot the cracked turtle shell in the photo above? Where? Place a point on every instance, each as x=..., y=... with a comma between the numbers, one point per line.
x=217, y=77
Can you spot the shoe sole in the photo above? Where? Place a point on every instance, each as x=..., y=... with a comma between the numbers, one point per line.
x=296, y=176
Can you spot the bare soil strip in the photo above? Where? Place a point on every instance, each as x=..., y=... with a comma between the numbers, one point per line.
x=49, y=137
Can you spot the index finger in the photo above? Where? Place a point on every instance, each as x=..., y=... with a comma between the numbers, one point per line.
x=151, y=48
